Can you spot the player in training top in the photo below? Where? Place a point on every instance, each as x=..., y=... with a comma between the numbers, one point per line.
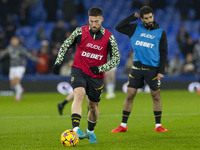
x=18, y=54
x=149, y=43
x=94, y=43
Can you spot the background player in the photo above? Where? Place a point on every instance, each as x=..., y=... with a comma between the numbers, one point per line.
x=149, y=43
x=110, y=83
x=18, y=55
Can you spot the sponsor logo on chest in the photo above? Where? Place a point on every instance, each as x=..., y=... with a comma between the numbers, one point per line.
x=149, y=36
x=93, y=46
x=92, y=55
x=144, y=44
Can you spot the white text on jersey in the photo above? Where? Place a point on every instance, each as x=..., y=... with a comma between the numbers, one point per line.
x=94, y=46
x=91, y=55
x=144, y=44
x=147, y=35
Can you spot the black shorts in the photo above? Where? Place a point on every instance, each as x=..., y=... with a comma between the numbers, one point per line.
x=93, y=86
x=137, y=78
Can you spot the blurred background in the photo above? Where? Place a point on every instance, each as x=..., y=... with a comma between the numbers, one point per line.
x=43, y=25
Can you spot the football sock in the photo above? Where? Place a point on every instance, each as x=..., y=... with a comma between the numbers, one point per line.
x=75, y=120
x=64, y=102
x=18, y=89
x=91, y=125
x=157, y=115
x=90, y=131
x=75, y=129
x=110, y=87
x=123, y=124
x=158, y=124
x=125, y=116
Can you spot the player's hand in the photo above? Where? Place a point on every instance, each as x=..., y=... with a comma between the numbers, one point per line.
x=160, y=76
x=56, y=69
x=137, y=15
x=94, y=69
x=41, y=61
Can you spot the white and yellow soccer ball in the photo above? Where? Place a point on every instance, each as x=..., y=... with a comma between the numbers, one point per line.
x=69, y=138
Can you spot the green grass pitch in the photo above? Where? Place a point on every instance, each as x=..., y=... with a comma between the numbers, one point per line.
x=34, y=123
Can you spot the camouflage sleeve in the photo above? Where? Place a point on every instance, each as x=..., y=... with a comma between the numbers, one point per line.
x=29, y=55
x=66, y=45
x=3, y=53
x=115, y=59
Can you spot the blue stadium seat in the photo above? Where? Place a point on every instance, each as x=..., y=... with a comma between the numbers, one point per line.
x=25, y=31
x=48, y=29
x=30, y=43
x=37, y=13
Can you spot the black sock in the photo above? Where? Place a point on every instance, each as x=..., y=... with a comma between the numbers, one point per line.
x=64, y=102
x=125, y=116
x=75, y=120
x=91, y=125
x=157, y=115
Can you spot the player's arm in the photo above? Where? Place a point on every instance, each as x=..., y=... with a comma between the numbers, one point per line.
x=114, y=61
x=4, y=52
x=163, y=53
x=69, y=42
x=30, y=56
x=125, y=27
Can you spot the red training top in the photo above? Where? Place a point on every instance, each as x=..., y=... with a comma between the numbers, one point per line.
x=91, y=52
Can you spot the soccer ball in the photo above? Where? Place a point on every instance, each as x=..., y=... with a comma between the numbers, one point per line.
x=69, y=138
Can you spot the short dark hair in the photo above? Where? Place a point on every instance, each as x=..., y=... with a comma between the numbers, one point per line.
x=95, y=11
x=145, y=10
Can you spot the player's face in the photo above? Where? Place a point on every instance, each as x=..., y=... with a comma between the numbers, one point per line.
x=95, y=23
x=148, y=19
x=15, y=41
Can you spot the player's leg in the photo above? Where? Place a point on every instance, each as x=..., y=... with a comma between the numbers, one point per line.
x=110, y=83
x=87, y=99
x=16, y=83
x=79, y=93
x=61, y=106
x=15, y=76
x=94, y=91
x=157, y=108
x=93, y=114
x=78, y=83
x=128, y=103
x=135, y=82
x=76, y=111
x=154, y=84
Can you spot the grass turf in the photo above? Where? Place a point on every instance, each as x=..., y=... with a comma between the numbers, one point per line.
x=34, y=123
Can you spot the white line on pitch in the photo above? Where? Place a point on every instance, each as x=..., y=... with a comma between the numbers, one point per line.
x=101, y=115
